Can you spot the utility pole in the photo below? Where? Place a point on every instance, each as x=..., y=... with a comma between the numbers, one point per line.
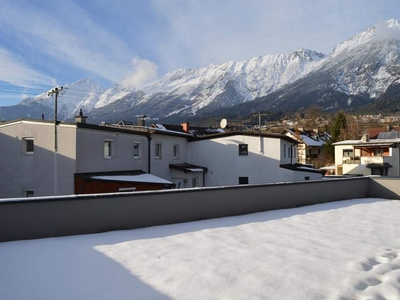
x=259, y=119
x=55, y=92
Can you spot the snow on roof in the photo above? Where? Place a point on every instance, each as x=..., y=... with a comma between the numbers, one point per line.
x=196, y=169
x=328, y=168
x=371, y=142
x=134, y=178
x=160, y=126
x=300, y=253
x=165, y=130
x=311, y=142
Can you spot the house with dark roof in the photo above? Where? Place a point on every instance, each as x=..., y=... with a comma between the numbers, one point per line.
x=43, y=158
x=311, y=145
x=249, y=158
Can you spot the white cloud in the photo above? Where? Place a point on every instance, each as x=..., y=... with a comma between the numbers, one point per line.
x=144, y=71
x=71, y=38
x=15, y=71
x=198, y=33
x=384, y=32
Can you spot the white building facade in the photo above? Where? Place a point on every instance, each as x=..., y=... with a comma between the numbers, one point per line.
x=364, y=157
x=40, y=158
x=240, y=158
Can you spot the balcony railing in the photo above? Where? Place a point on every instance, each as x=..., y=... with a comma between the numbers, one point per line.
x=365, y=160
x=351, y=160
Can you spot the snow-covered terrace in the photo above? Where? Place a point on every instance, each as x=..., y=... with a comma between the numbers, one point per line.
x=339, y=250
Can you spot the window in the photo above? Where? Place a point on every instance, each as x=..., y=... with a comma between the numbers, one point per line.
x=108, y=148
x=28, y=146
x=176, y=151
x=348, y=152
x=127, y=189
x=157, y=150
x=28, y=193
x=136, y=149
x=243, y=180
x=284, y=151
x=378, y=152
x=289, y=154
x=243, y=149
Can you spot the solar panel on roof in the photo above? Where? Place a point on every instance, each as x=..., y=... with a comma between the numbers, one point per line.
x=389, y=135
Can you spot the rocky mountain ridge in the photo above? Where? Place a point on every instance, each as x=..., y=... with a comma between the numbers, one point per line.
x=358, y=72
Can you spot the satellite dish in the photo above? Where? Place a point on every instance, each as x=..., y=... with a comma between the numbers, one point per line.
x=223, y=123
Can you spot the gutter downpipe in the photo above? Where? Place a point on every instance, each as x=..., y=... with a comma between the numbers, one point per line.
x=149, y=151
x=291, y=153
x=398, y=157
x=204, y=178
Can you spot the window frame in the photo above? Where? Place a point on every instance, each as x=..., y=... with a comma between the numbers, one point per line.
x=27, y=193
x=25, y=146
x=243, y=149
x=243, y=180
x=379, y=152
x=138, y=154
x=175, y=151
x=158, y=150
x=110, y=149
x=348, y=152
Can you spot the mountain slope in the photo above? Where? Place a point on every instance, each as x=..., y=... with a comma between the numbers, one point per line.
x=363, y=69
x=83, y=94
x=359, y=71
x=185, y=91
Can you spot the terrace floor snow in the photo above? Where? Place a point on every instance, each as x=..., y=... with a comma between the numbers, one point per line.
x=342, y=250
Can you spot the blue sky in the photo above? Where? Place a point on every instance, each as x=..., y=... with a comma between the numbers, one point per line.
x=45, y=43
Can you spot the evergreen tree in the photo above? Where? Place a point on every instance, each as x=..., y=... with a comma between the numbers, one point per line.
x=339, y=127
x=338, y=133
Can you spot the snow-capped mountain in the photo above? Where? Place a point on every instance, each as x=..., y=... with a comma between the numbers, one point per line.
x=232, y=83
x=358, y=71
x=83, y=94
x=369, y=61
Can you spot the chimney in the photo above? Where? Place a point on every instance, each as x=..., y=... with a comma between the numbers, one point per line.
x=185, y=127
x=141, y=120
x=80, y=118
x=365, y=137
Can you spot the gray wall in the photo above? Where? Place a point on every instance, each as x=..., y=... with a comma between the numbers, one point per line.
x=384, y=187
x=45, y=172
x=59, y=216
